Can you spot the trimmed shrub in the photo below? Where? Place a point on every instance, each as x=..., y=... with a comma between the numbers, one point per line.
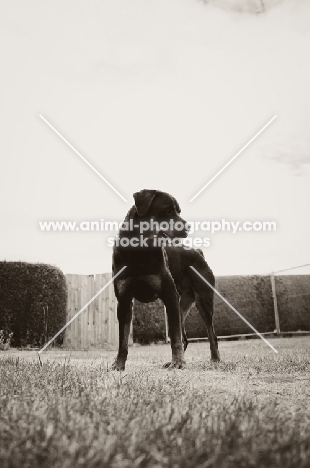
x=32, y=302
x=293, y=296
x=148, y=322
x=250, y=295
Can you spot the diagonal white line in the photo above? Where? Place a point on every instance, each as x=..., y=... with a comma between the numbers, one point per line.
x=233, y=158
x=83, y=308
x=82, y=157
x=235, y=310
x=292, y=268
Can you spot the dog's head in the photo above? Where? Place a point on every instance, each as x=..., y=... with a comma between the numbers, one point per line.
x=162, y=208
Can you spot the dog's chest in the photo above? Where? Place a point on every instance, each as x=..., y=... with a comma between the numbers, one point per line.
x=144, y=288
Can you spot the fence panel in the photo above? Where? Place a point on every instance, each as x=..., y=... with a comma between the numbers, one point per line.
x=97, y=325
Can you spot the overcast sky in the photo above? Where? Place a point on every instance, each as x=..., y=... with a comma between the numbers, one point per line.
x=155, y=94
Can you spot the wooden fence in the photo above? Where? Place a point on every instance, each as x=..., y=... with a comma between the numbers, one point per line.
x=97, y=325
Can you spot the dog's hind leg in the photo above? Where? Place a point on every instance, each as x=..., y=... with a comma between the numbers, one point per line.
x=124, y=315
x=186, y=301
x=204, y=302
x=170, y=298
x=206, y=313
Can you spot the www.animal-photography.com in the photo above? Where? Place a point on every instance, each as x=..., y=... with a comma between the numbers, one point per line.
x=155, y=263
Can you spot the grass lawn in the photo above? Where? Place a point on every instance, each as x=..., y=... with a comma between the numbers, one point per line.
x=251, y=410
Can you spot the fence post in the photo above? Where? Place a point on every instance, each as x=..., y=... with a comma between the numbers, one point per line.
x=275, y=303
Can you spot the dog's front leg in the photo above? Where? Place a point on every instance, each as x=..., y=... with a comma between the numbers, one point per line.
x=124, y=315
x=170, y=298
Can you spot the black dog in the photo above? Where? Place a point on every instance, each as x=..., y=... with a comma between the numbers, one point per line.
x=154, y=271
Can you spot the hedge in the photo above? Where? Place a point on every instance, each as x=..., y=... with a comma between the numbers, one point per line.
x=148, y=322
x=25, y=290
x=293, y=295
x=250, y=295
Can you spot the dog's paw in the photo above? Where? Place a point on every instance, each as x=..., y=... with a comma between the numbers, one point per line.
x=176, y=365
x=215, y=357
x=118, y=366
x=166, y=365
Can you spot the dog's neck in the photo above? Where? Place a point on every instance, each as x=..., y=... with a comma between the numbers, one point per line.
x=141, y=259
x=132, y=223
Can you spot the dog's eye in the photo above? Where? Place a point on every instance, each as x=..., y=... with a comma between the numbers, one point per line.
x=169, y=211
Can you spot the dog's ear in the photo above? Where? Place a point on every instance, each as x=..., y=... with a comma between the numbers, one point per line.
x=143, y=200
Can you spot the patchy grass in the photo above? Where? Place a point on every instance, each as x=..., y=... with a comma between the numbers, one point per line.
x=251, y=410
